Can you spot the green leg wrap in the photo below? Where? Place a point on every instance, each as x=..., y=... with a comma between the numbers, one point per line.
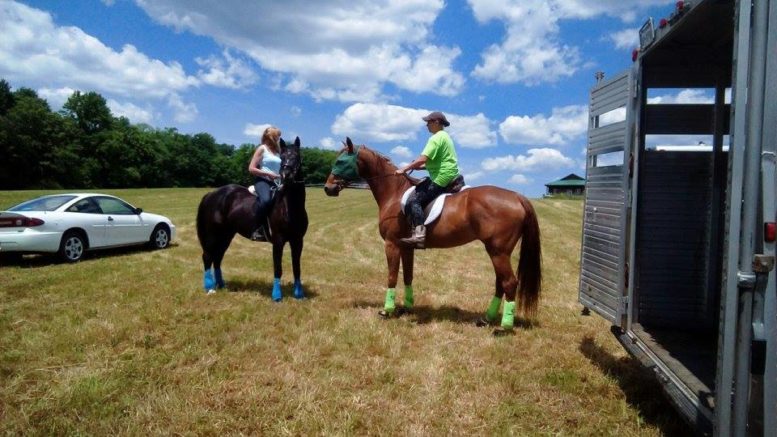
x=493, y=308
x=409, y=299
x=389, y=306
x=508, y=316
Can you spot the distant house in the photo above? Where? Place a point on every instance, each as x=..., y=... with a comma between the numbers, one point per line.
x=571, y=184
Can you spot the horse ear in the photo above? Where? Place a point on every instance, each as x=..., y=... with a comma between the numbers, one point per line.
x=349, y=144
x=296, y=143
x=283, y=145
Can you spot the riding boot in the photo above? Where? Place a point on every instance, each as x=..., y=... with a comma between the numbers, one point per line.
x=418, y=238
x=259, y=234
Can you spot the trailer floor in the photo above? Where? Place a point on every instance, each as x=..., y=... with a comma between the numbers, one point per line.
x=692, y=356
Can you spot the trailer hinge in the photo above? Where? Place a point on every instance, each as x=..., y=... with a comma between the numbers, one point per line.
x=763, y=263
x=746, y=280
x=624, y=304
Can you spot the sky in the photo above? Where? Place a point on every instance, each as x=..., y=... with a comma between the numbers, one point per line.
x=512, y=76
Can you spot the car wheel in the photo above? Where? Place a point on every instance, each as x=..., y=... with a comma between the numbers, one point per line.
x=72, y=247
x=160, y=238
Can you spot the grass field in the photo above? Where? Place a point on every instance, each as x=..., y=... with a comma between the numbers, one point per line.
x=127, y=342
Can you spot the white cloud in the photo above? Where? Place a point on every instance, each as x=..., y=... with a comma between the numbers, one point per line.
x=227, y=72
x=402, y=152
x=472, y=132
x=563, y=125
x=519, y=179
x=134, y=113
x=331, y=51
x=56, y=97
x=536, y=159
x=473, y=176
x=183, y=112
x=296, y=111
x=328, y=143
x=35, y=51
x=386, y=123
x=686, y=96
x=625, y=39
x=531, y=51
x=255, y=130
x=378, y=122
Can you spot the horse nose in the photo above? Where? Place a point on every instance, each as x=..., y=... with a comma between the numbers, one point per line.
x=331, y=190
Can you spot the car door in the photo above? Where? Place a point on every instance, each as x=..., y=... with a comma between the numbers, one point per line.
x=124, y=226
x=87, y=215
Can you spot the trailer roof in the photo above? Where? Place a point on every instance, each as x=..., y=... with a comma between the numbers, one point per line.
x=695, y=49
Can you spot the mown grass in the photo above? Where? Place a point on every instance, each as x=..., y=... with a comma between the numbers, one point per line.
x=127, y=342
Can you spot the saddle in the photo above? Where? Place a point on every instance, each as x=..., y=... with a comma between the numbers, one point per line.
x=433, y=210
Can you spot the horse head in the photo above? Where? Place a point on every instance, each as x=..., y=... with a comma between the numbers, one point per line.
x=344, y=171
x=291, y=162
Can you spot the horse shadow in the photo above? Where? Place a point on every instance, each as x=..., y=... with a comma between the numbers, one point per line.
x=264, y=288
x=425, y=314
x=639, y=386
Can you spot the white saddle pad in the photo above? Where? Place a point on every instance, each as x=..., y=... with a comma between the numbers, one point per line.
x=434, y=209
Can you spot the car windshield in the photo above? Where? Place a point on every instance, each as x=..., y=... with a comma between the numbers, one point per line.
x=45, y=203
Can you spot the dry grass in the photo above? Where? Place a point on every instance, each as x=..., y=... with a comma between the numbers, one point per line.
x=126, y=342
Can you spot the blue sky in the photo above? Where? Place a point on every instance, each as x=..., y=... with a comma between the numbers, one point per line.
x=512, y=76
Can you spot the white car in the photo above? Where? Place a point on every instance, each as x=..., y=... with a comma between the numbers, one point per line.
x=70, y=224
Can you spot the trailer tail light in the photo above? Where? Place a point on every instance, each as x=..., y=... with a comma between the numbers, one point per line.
x=20, y=222
x=770, y=232
x=662, y=24
x=680, y=5
x=634, y=54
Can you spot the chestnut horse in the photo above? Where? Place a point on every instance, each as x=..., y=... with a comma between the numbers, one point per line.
x=229, y=210
x=495, y=216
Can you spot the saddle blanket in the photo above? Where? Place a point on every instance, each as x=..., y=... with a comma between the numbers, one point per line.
x=434, y=208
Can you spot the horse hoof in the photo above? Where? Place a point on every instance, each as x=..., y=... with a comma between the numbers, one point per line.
x=386, y=314
x=481, y=322
x=503, y=332
x=299, y=296
x=211, y=291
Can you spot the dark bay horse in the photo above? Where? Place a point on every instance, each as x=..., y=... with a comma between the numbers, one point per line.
x=229, y=210
x=495, y=216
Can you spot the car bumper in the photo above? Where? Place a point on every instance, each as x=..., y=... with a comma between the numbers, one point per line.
x=29, y=241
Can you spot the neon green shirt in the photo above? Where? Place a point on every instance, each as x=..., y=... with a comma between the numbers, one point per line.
x=442, y=163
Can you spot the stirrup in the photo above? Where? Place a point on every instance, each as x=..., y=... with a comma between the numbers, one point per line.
x=259, y=235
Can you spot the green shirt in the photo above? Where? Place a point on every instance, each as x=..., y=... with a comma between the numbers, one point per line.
x=441, y=162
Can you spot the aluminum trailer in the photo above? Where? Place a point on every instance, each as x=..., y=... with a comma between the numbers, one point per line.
x=678, y=244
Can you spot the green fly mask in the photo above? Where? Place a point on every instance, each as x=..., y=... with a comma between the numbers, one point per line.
x=345, y=166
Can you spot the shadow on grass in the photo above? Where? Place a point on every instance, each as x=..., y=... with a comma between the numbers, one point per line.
x=641, y=388
x=264, y=287
x=424, y=314
x=47, y=259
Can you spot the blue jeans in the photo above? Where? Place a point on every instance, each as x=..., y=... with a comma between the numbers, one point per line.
x=425, y=192
x=264, y=200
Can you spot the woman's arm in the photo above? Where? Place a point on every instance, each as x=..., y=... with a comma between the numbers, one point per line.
x=418, y=164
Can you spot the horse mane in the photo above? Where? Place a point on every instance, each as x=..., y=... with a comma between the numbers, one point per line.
x=413, y=180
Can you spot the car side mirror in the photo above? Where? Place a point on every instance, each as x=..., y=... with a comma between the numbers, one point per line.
x=137, y=210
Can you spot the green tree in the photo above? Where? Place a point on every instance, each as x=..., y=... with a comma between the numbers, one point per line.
x=90, y=110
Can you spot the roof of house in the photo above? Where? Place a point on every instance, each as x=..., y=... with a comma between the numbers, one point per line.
x=570, y=180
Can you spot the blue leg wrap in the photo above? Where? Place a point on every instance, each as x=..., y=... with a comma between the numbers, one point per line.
x=298, y=293
x=276, y=290
x=219, y=279
x=208, y=280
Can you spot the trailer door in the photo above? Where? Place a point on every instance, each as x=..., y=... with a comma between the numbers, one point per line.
x=603, y=253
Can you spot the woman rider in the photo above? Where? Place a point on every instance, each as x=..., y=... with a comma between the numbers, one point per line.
x=439, y=158
x=265, y=165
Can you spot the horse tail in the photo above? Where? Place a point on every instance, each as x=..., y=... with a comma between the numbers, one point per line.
x=529, y=272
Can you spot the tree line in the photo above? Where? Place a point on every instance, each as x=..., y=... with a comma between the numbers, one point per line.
x=85, y=146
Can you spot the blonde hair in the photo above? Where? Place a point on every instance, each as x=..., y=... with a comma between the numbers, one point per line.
x=268, y=141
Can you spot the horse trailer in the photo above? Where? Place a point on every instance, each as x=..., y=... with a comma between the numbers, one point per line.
x=678, y=241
